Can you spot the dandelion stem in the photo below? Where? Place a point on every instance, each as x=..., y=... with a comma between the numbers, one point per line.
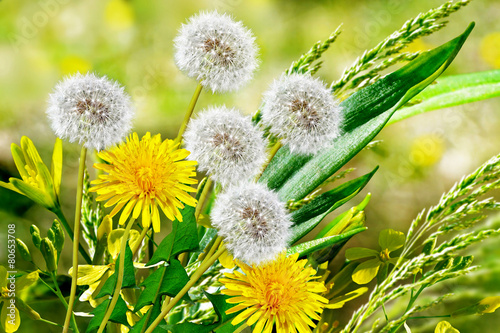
x=214, y=243
x=203, y=197
x=50, y=322
x=141, y=239
x=76, y=238
x=59, y=294
x=119, y=280
x=194, y=278
x=189, y=112
x=273, y=152
x=66, y=226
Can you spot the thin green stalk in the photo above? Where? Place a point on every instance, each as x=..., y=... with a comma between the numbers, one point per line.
x=189, y=112
x=273, y=152
x=66, y=226
x=76, y=238
x=59, y=294
x=148, y=315
x=194, y=278
x=119, y=280
x=50, y=322
x=427, y=317
x=203, y=198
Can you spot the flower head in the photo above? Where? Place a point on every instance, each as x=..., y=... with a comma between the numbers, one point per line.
x=389, y=241
x=37, y=182
x=226, y=145
x=217, y=51
x=253, y=222
x=302, y=112
x=143, y=175
x=91, y=110
x=277, y=292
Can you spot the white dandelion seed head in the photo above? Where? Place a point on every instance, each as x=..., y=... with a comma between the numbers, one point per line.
x=217, y=51
x=253, y=222
x=90, y=110
x=302, y=112
x=226, y=145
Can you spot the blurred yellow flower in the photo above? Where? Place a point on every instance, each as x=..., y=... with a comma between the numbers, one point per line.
x=74, y=64
x=276, y=292
x=143, y=175
x=490, y=49
x=426, y=150
x=119, y=14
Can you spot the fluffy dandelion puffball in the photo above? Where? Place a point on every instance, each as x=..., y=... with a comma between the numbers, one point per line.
x=226, y=145
x=301, y=111
x=90, y=110
x=277, y=292
x=143, y=175
x=217, y=51
x=253, y=222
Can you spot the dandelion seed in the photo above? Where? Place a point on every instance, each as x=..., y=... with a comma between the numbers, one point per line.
x=277, y=292
x=90, y=110
x=143, y=175
x=301, y=111
x=226, y=145
x=217, y=51
x=253, y=222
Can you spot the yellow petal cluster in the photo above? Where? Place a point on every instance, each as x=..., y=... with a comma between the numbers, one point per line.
x=276, y=293
x=143, y=175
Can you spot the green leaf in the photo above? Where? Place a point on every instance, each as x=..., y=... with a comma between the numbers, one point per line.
x=182, y=238
x=318, y=244
x=153, y=312
x=453, y=90
x=365, y=114
x=220, y=307
x=119, y=314
x=366, y=271
x=349, y=189
x=355, y=253
x=128, y=275
x=41, y=198
x=391, y=239
x=327, y=200
x=166, y=280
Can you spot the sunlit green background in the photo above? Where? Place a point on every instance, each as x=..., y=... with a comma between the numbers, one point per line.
x=131, y=41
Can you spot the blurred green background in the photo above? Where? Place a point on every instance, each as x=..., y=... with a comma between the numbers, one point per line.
x=131, y=41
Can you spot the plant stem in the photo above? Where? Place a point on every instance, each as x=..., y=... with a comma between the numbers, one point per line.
x=203, y=197
x=154, y=301
x=189, y=112
x=66, y=226
x=426, y=317
x=76, y=238
x=50, y=322
x=194, y=278
x=273, y=152
x=213, y=245
x=119, y=280
x=59, y=294
x=241, y=328
x=138, y=244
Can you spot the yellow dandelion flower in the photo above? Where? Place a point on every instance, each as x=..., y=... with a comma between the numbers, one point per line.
x=142, y=175
x=276, y=292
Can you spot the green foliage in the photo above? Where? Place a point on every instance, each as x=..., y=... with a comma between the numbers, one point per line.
x=453, y=90
x=459, y=209
x=166, y=280
x=182, y=238
x=117, y=316
x=128, y=275
x=388, y=49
